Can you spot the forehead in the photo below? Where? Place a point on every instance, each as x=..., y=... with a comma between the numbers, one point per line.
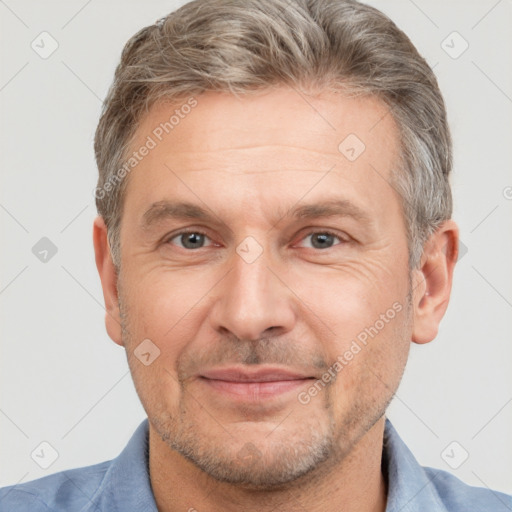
x=318, y=121
x=262, y=147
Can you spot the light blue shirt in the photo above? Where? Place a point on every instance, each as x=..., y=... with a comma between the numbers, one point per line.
x=123, y=485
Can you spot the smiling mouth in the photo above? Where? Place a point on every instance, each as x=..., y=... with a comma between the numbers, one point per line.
x=253, y=385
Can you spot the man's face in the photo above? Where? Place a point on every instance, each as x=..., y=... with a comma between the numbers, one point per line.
x=282, y=318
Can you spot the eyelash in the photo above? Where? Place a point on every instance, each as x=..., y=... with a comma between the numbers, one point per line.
x=324, y=232
x=185, y=232
x=309, y=233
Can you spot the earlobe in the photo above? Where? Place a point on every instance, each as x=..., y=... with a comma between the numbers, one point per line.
x=433, y=281
x=108, y=277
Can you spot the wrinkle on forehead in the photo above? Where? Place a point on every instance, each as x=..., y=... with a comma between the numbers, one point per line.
x=253, y=149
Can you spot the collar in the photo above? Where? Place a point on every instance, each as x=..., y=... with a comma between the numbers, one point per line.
x=410, y=487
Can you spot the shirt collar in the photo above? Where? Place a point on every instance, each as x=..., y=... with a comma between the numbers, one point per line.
x=126, y=485
x=410, y=488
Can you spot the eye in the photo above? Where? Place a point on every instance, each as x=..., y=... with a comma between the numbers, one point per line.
x=189, y=239
x=322, y=240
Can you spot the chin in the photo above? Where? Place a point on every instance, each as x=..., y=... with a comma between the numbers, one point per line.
x=265, y=462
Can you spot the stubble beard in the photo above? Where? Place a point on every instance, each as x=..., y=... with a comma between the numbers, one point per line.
x=313, y=448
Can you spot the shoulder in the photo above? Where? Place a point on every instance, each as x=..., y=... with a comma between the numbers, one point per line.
x=458, y=496
x=412, y=487
x=119, y=484
x=63, y=491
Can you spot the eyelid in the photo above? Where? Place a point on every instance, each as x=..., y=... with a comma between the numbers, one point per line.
x=323, y=232
x=341, y=236
x=167, y=239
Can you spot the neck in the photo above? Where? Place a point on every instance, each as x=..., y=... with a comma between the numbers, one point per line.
x=354, y=484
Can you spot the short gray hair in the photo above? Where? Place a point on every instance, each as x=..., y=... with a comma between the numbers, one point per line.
x=244, y=46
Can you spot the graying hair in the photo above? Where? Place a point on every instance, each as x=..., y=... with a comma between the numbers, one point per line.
x=245, y=46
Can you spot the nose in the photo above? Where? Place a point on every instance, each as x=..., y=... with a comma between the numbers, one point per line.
x=252, y=301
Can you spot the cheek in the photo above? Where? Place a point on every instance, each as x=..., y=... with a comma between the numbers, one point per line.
x=350, y=297
x=371, y=370
x=159, y=328
x=166, y=308
x=156, y=386
x=163, y=302
x=364, y=307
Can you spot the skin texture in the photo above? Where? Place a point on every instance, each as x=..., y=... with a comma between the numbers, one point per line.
x=249, y=162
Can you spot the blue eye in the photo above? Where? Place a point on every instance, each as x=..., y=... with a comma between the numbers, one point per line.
x=190, y=239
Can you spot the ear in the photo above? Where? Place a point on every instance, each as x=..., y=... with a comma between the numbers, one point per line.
x=432, y=281
x=108, y=276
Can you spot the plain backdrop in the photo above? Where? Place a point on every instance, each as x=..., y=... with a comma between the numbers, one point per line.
x=64, y=382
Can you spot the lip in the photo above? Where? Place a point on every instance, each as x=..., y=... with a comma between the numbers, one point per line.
x=253, y=385
x=266, y=374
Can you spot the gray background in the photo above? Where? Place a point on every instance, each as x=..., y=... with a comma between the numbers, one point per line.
x=64, y=382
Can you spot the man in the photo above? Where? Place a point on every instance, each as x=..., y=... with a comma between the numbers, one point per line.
x=274, y=230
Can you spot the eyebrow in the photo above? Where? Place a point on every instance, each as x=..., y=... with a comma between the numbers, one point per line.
x=331, y=208
x=163, y=210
